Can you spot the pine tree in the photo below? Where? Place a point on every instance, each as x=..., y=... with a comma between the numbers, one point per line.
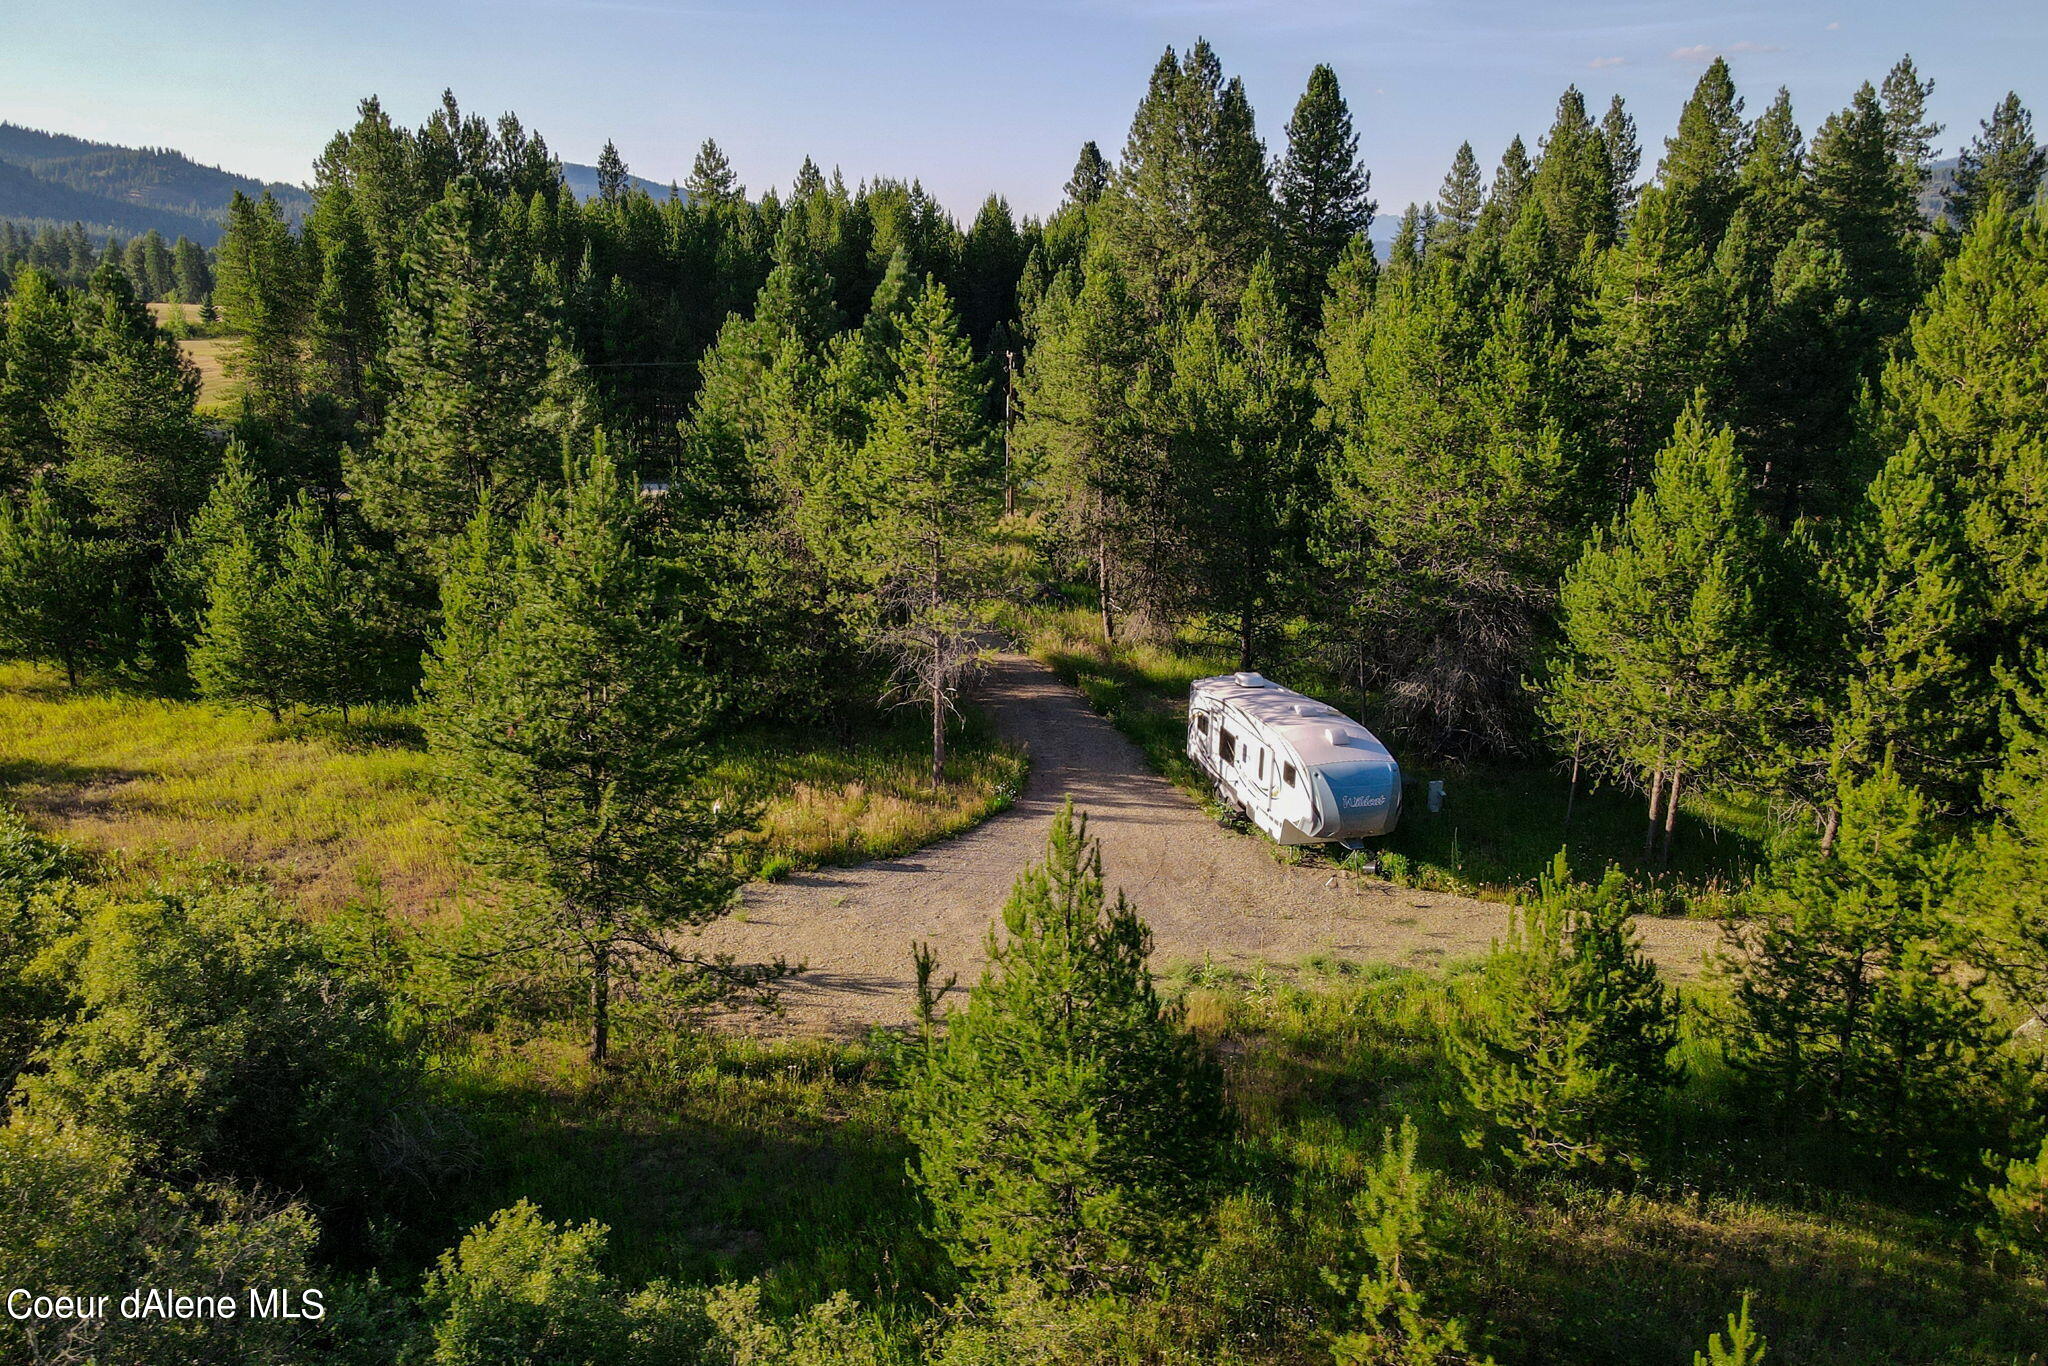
x=1510, y=190
x=38, y=346
x=1574, y=181
x=1566, y=1042
x=1090, y=177
x=2001, y=160
x=1908, y=132
x=713, y=182
x=568, y=717
x=131, y=436
x=1624, y=154
x=928, y=482
x=1870, y=213
x=1389, y=1325
x=264, y=291
x=59, y=595
x=244, y=651
x=190, y=273
x=1653, y=337
x=991, y=259
x=1321, y=194
x=484, y=386
x=1701, y=166
x=237, y=505
x=612, y=180
x=1663, y=672
x=1066, y=1122
x=1189, y=211
x=1849, y=1008
x=347, y=324
x=1448, y=503
x=1459, y=201
x=2009, y=868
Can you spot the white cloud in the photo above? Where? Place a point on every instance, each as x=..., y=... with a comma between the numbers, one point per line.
x=1706, y=52
x=1598, y=62
x=1834, y=26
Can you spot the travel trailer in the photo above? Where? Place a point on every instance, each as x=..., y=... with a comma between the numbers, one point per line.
x=1302, y=772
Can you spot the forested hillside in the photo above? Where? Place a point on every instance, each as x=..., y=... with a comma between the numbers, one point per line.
x=1698, y=464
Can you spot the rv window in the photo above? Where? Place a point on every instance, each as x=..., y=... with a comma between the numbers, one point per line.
x=1202, y=723
x=1226, y=746
x=1287, y=774
x=1262, y=765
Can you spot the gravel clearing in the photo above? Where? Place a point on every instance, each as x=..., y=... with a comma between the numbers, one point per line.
x=1207, y=891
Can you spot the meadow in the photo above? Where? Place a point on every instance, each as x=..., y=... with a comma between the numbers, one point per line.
x=323, y=811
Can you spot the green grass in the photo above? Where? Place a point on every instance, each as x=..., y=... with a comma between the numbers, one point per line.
x=318, y=808
x=1501, y=824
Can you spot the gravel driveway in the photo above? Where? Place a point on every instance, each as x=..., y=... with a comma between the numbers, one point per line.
x=1205, y=890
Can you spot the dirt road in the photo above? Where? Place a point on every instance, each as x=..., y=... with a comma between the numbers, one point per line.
x=1204, y=889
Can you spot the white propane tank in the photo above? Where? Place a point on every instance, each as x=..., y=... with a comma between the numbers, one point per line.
x=1436, y=794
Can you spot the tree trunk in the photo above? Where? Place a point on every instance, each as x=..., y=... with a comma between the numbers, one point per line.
x=938, y=730
x=1830, y=826
x=1656, y=794
x=1244, y=639
x=1102, y=591
x=600, y=1004
x=70, y=671
x=1670, y=816
x=1571, y=793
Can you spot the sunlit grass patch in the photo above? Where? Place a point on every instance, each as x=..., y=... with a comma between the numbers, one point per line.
x=319, y=808
x=163, y=782
x=828, y=801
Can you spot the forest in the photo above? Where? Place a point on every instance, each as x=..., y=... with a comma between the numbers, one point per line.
x=1706, y=488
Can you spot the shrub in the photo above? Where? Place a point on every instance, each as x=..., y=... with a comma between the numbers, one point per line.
x=1566, y=1041
x=215, y=1039
x=76, y=1217
x=519, y=1290
x=1067, y=1122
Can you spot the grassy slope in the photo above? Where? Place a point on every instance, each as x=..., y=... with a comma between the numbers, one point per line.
x=1501, y=824
x=320, y=809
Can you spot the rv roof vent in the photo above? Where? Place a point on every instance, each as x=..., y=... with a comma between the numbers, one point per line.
x=1334, y=736
x=1250, y=680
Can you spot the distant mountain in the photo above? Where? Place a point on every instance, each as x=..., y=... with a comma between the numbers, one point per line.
x=126, y=190
x=582, y=182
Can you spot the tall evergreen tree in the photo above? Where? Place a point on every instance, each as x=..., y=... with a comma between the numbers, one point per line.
x=1663, y=672
x=1868, y=210
x=928, y=483
x=1574, y=181
x=132, y=442
x=264, y=290
x=60, y=599
x=484, y=386
x=1908, y=132
x=713, y=182
x=1624, y=154
x=1321, y=193
x=1190, y=208
x=1702, y=162
x=2001, y=160
x=1090, y=177
x=37, y=348
x=1066, y=1122
x=347, y=325
x=568, y=718
x=1462, y=197
x=612, y=180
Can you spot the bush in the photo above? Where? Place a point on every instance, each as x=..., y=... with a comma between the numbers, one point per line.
x=1067, y=1123
x=37, y=908
x=215, y=1039
x=1566, y=1042
x=76, y=1217
x=520, y=1291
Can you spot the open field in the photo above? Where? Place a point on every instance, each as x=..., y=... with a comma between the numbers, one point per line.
x=321, y=810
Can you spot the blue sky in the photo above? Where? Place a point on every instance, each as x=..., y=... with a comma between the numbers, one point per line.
x=969, y=97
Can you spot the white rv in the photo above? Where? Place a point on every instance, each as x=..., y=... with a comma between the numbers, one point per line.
x=1302, y=772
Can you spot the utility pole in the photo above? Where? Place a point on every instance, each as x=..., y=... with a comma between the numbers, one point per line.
x=1009, y=393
